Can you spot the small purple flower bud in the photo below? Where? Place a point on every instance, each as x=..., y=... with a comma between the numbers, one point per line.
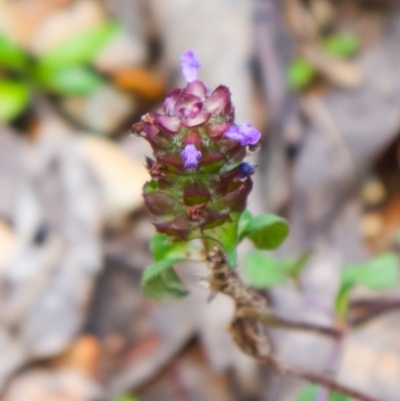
x=246, y=134
x=189, y=64
x=190, y=156
x=247, y=169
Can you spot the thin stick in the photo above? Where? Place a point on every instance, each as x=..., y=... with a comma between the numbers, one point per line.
x=315, y=378
x=272, y=320
x=328, y=382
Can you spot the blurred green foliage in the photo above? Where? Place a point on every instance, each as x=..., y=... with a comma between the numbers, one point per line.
x=64, y=71
x=262, y=270
x=379, y=273
x=14, y=97
x=342, y=45
x=310, y=392
x=301, y=73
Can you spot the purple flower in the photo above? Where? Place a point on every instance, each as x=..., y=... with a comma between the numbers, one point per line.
x=246, y=134
x=190, y=156
x=247, y=169
x=189, y=64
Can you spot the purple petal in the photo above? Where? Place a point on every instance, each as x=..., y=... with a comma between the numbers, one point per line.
x=188, y=105
x=169, y=123
x=190, y=156
x=197, y=88
x=218, y=100
x=170, y=101
x=200, y=119
x=246, y=134
x=189, y=64
x=246, y=169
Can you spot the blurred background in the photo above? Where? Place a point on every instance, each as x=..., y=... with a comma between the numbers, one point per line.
x=319, y=78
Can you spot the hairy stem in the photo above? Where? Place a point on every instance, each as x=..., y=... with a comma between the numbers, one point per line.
x=252, y=315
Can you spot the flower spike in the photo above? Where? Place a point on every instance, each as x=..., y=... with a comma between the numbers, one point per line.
x=199, y=180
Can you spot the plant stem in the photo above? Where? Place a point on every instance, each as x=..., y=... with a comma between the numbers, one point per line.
x=251, y=316
x=361, y=312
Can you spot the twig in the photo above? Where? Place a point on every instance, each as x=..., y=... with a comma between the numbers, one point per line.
x=278, y=322
x=327, y=382
x=362, y=311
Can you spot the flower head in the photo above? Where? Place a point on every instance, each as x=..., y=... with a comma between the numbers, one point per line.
x=189, y=64
x=190, y=156
x=245, y=133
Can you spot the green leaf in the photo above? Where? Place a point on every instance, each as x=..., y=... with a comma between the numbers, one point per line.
x=308, y=393
x=11, y=56
x=81, y=49
x=267, y=231
x=262, y=270
x=70, y=80
x=14, y=97
x=299, y=74
x=164, y=247
x=244, y=219
x=160, y=281
x=381, y=272
x=343, y=45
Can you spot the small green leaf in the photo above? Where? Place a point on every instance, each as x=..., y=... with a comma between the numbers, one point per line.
x=381, y=272
x=164, y=247
x=262, y=270
x=70, y=80
x=81, y=48
x=300, y=73
x=267, y=231
x=244, y=219
x=308, y=393
x=11, y=56
x=160, y=281
x=343, y=45
x=14, y=97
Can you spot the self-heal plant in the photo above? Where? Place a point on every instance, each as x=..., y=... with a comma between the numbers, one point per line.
x=200, y=181
x=197, y=194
